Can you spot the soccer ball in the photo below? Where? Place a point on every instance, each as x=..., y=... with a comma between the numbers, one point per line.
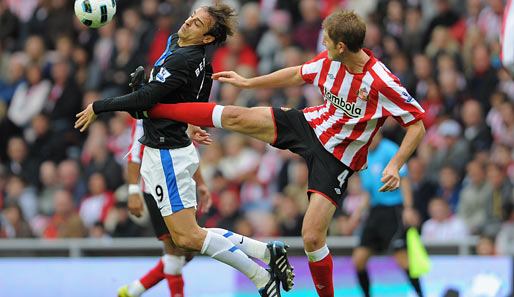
x=95, y=13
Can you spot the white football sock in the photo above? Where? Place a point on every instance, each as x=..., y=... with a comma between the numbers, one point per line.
x=253, y=248
x=136, y=288
x=216, y=115
x=318, y=255
x=173, y=264
x=222, y=249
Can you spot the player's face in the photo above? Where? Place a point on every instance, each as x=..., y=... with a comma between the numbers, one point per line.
x=195, y=27
x=334, y=50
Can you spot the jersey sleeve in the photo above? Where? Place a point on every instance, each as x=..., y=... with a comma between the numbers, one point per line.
x=172, y=75
x=312, y=68
x=136, y=148
x=395, y=99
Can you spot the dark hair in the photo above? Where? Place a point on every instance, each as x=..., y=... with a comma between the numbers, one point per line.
x=346, y=27
x=224, y=22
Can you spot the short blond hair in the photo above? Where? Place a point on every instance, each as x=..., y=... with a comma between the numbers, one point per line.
x=347, y=27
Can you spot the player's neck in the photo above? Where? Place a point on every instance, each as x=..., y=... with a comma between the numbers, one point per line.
x=183, y=43
x=355, y=62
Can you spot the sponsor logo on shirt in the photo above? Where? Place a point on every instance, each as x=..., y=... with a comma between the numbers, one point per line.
x=350, y=109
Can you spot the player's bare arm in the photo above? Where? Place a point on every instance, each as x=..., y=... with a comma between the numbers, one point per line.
x=290, y=76
x=390, y=175
x=135, y=202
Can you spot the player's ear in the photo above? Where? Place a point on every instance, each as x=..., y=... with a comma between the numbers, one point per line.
x=341, y=47
x=208, y=39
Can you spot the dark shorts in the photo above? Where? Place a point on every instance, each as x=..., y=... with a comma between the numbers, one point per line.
x=383, y=229
x=159, y=227
x=327, y=175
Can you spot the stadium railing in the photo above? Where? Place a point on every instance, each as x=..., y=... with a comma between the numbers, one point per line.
x=149, y=246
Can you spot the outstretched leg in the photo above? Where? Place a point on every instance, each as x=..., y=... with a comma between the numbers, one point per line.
x=360, y=259
x=403, y=261
x=256, y=122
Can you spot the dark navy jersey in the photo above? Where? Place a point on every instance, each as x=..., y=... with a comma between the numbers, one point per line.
x=181, y=74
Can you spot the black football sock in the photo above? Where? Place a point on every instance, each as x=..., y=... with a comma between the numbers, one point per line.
x=415, y=284
x=364, y=281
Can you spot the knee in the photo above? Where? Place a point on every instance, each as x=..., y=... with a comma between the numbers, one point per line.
x=312, y=240
x=232, y=116
x=359, y=260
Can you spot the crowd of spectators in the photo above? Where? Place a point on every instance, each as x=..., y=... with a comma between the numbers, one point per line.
x=56, y=182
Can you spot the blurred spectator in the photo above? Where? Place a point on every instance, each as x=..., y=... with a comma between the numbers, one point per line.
x=490, y=19
x=18, y=192
x=123, y=61
x=471, y=208
x=97, y=158
x=101, y=55
x=227, y=210
x=29, y=98
x=65, y=222
x=422, y=188
x=476, y=132
x=251, y=26
x=306, y=32
x=69, y=178
x=141, y=30
x=505, y=236
x=412, y=37
x=500, y=200
x=422, y=72
x=289, y=216
x=12, y=223
x=235, y=53
x=20, y=162
x=164, y=23
x=449, y=187
x=442, y=225
x=483, y=80
x=446, y=17
x=10, y=81
x=97, y=231
x=486, y=246
x=119, y=136
x=454, y=151
x=432, y=103
x=507, y=128
x=49, y=184
x=125, y=227
x=95, y=206
x=393, y=22
x=45, y=144
x=274, y=41
x=502, y=154
x=50, y=19
x=10, y=27
x=64, y=100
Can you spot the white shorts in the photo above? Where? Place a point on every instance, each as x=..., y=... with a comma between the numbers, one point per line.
x=168, y=174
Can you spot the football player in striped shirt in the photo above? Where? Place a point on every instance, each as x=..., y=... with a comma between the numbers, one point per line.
x=333, y=138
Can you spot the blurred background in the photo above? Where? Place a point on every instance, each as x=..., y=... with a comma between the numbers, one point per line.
x=59, y=184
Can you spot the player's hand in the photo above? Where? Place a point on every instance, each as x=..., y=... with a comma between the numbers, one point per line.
x=390, y=178
x=199, y=135
x=137, y=78
x=232, y=78
x=135, y=205
x=204, y=198
x=85, y=118
x=410, y=217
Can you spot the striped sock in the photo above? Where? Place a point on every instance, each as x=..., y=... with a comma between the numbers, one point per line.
x=253, y=248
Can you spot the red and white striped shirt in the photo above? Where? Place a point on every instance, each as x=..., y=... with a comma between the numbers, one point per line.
x=356, y=106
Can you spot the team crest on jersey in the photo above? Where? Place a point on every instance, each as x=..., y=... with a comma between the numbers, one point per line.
x=350, y=109
x=363, y=94
x=162, y=75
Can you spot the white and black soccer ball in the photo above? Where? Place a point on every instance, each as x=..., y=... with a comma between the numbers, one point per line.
x=95, y=13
